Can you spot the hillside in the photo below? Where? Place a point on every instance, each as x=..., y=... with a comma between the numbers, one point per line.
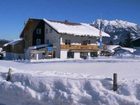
x=119, y=29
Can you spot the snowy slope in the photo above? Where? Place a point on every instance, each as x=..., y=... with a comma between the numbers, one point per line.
x=72, y=82
x=118, y=29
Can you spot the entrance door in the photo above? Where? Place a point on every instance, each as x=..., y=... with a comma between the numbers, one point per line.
x=70, y=54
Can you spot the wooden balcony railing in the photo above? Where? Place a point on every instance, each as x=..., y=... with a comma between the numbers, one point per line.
x=80, y=47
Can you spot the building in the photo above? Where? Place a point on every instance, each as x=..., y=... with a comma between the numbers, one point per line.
x=14, y=49
x=42, y=39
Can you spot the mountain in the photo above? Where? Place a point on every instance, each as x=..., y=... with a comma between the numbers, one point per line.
x=119, y=30
x=3, y=41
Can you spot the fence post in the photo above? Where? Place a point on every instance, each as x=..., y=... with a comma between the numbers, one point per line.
x=115, y=85
x=9, y=76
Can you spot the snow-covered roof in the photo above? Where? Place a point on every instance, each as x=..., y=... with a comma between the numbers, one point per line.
x=128, y=49
x=0, y=49
x=38, y=46
x=13, y=42
x=112, y=48
x=82, y=29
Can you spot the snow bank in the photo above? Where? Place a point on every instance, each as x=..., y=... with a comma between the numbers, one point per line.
x=77, y=82
x=26, y=89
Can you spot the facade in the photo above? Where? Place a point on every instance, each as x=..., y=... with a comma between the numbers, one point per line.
x=44, y=39
x=14, y=49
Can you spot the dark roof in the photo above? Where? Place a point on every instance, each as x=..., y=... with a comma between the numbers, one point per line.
x=26, y=23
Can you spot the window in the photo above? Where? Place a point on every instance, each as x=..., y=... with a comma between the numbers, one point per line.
x=70, y=54
x=93, y=54
x=38, y=41
x=86, y=42
x=47, y=41
x=83, y=55
x=67, y=42
x=51, y=30
x=38, y=31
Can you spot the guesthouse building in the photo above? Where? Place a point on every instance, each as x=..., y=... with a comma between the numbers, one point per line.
x=45, y=39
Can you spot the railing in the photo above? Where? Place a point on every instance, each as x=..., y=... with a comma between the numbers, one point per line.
x=80, y=47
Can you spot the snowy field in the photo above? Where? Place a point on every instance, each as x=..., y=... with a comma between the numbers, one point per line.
x=70, y=82
x=126, y=68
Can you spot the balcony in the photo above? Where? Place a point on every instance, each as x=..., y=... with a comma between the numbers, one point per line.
x=82, y=48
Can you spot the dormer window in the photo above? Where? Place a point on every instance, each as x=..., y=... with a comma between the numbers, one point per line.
x=38, y=31
x=86, y=42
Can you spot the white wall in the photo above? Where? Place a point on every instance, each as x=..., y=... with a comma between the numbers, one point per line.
x=77, y=55
x=63, y=54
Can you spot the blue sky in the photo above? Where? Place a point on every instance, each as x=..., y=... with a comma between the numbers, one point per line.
x=13, y=13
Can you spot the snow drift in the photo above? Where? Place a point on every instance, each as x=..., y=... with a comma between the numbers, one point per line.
x=28, y=89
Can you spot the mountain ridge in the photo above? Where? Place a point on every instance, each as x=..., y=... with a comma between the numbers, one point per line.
x=118, y=29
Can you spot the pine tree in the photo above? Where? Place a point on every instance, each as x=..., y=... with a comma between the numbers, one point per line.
x=127, y=42
x=111, y=42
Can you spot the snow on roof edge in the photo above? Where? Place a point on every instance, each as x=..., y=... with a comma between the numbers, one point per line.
x=13, y=42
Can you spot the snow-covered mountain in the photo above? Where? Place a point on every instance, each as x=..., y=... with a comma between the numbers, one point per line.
x=118, y=29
